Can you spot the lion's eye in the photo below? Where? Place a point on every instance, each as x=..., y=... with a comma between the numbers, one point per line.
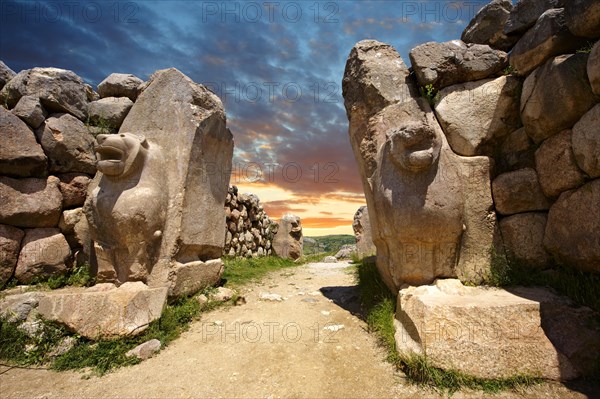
x=122, y=135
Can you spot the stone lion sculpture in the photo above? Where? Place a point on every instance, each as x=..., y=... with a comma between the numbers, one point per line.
x=126, y=207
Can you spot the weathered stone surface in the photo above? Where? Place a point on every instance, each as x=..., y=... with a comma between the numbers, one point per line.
x=59, y=90
x=30, y=110
x=428, y=205
x=593, y=68
x=120, y=85
x=20, y=154
x=573, y=228
x=484, y=332
x=586, y=142
x=448, y=63
x=518, y=191
x=330, y=259
x=10, y=246
x=30, y=202
x=73, y=187
x=146, y=350
x=583, y=17
x=222, y=294
x=288, y=242
x=17, y=307
x=147, y=213
x=44, y=253
x=105, y=312
x=6, y=74
x=477, y=116
x=517, y=152
x=362, y=231
x=488, y=26
x=346, y=251
x=109, y=111
x=572, y=329
x=68, y=144
x=556, y=167
x=525, y=14
x=74, y=226
x=523, y=237
x=555, y=96
x=192, y=277
x=549, y=37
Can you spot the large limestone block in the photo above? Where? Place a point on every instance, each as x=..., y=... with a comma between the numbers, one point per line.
x=104, y=311
x=10, y=246
x=593, y=68
x=44, y=253
x=59, y=90
x=525, y=14
x=448, y=63
x=477, y=116
x=555, y=96
x=431, y=210
x=30, y=202
x=573, y=330
x=120, y=85
x=362, y=231
x=556, y=167
x=573, y=229
x=73, y=187
x=68, y=144
x=583, y=17
x=288, y=242
x=586, y=142
x=523, y=238
x=158, y=197
x=549, y=37
x=192, y=277
x=518, y=191
x=30, y=110
x=6, y=74
x=484, y=332
x=487, y=27
x=20, y=154
x=110, y=111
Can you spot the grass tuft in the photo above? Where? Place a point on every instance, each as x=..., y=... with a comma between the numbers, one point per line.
x=239, y=271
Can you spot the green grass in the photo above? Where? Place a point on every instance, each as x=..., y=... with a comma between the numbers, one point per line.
x=379, y=306
x=582, y=287
x=430, y=93
x=330, y=243
x=587, y=48
x=240, y=271
x=100, y=356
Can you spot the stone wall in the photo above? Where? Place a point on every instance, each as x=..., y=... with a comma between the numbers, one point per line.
x=249, y=230
x=49, y=119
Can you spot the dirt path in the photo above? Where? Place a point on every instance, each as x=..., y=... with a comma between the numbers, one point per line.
x=311, y=344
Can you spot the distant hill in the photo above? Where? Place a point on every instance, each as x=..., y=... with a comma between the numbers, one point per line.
x=332, y=243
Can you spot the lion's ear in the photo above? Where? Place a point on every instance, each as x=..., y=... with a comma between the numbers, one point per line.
x=143, y=140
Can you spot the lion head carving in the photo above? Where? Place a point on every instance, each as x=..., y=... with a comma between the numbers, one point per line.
x=414, y=147
x=119, y=155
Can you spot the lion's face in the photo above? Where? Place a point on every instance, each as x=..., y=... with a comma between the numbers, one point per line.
x=117, y=153
x=414, y=147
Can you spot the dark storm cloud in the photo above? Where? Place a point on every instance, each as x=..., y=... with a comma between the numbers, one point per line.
x=277, y=65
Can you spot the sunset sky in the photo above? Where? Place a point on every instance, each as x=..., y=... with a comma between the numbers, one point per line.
x=276, y=65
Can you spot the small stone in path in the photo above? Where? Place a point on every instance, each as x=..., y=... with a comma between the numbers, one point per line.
x=270, y=297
